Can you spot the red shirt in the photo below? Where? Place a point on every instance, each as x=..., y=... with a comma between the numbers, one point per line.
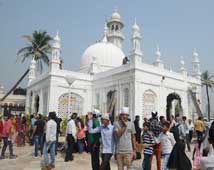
x=7, y=125
x=1, y=127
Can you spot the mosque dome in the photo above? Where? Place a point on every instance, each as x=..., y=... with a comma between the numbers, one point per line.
x=105, y=53
x=115, y=16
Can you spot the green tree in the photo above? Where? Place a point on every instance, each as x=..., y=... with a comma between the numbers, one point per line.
x=38, y=48
x=207, y=81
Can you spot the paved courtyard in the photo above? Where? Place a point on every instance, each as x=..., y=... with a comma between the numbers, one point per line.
x=26, y=161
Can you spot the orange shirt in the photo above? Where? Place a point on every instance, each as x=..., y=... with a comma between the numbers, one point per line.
x=199, y=126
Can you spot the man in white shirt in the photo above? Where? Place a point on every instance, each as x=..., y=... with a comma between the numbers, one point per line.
x=50, y=142
x=70, y=138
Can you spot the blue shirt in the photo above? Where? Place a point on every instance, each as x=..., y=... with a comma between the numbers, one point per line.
x=107, y=136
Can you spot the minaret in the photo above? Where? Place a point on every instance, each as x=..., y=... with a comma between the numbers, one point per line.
x=56, y=54
x=182, y=68
x=136, y=38
x=196, y=68
x=158, y=61
x=136, y=53
x=115, y=26
x=32, y=71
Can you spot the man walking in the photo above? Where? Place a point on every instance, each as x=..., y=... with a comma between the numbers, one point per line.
x=70, y=138
x=49, y=145
x=199, y=128
x=94, y=142
x=38, y=135
x=187, y=138
x=108, y=140
x=126, y=143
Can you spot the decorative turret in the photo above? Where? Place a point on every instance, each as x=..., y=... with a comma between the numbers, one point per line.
x=158, y=61
x=32, y=72
x=105, y=33
x=136, y=39
x=136, y=53
x=182, y=68
x=196, y=68
x=115, y=26
x=56, y=54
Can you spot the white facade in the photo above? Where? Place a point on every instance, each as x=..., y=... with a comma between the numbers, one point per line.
x=140, y=86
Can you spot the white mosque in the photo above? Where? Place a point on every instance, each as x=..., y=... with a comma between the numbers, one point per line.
x=108, y=79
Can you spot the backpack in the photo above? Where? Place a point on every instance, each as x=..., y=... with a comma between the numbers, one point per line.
x=175, y=131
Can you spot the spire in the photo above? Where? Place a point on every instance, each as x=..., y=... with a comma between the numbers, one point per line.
x=196, y=67
x=57, y=41
x=136, y=54
x=55, y=62
x=182, y=68
x=158, y=54
x=105, y=33
x=158, y=61
x=136, y=37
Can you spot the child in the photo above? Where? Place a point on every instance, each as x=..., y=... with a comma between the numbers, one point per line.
x=167, y=142
x=148, y=142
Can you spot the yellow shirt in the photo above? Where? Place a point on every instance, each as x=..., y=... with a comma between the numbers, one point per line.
x=199, y=126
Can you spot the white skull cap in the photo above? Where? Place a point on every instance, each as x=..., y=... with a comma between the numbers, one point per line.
x=124, y=110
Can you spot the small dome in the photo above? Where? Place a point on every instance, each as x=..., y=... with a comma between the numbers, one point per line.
x=115, y=16
x=107, y=55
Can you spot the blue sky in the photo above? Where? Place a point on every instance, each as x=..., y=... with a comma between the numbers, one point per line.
x=177, y=26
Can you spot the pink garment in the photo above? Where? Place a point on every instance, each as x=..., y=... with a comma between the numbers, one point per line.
x=80, y=132
x=7, y=125
x=197, y=159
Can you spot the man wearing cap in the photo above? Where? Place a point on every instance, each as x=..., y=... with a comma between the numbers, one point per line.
x=126, y=144
x=108, y=140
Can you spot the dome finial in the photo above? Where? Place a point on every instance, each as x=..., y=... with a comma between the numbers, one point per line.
x=158, y=53
x=115, y=9
x=105, y=33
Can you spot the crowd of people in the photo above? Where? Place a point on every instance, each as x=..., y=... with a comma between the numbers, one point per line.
x=121, y=139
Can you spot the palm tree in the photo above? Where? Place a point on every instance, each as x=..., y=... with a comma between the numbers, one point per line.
x=207, y=81
x=38, y=49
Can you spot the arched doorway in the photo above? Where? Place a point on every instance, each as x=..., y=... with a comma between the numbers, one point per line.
x=36, y=106
x=169, y=106
x=75, y=105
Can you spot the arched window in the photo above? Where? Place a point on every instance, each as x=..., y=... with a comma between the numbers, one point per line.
x=75, y=105
x=116, y=28
x=149, y=103
x=126, y=97
x=112, y=27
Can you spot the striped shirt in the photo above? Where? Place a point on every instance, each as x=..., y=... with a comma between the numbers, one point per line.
x=148, y=139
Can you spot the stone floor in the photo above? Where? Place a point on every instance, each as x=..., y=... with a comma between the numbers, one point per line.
x=25, y=161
